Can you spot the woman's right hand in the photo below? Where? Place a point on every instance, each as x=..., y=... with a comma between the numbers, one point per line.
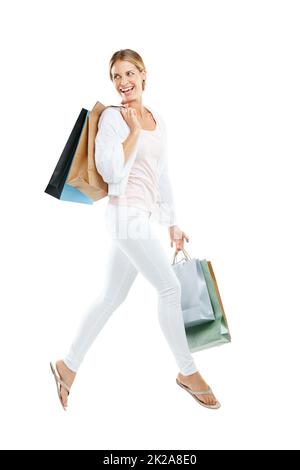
x=130, y=117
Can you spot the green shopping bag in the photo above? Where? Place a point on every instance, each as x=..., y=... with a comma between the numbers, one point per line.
x=213, y=333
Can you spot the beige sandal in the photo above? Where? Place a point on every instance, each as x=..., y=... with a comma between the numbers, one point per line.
x=59, y=384
x=202, y=392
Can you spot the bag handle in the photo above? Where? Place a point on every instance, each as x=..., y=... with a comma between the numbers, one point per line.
x=186, y=255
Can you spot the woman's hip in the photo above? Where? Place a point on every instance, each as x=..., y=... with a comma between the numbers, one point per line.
x=128, y=222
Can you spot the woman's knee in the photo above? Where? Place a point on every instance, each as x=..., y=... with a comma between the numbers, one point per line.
x=172, y=289
x=111, y=302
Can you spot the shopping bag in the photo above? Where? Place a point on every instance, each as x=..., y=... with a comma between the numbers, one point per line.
x=75, y=177
x=216, y=332
x=195, y=301
x=83, y=174
x=57, y=185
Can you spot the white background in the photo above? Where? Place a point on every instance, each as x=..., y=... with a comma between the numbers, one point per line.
x=225, y=76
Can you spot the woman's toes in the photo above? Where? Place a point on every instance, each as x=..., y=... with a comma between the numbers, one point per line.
x=209, y=399
x=64, y=398
x=212, y=400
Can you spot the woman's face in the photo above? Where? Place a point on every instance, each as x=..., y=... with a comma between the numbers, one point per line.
x=125, y=76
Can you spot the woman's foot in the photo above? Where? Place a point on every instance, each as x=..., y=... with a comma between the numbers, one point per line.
x=68, y=377
x=196, y=382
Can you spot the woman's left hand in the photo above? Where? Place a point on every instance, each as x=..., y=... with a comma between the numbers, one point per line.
x=177, y=237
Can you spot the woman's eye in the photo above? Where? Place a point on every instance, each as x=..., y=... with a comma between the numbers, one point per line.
x=116, y=76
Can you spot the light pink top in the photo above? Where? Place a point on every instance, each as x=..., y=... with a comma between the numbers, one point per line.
x=142, y=189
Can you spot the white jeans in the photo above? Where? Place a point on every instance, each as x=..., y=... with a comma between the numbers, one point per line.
x=134, y=248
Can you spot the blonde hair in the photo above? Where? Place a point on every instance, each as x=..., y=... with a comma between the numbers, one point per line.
x=130, y=56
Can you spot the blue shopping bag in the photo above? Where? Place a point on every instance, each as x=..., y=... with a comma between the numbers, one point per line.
x=195, y=300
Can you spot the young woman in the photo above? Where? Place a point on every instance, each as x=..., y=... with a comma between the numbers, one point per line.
x=130, y=154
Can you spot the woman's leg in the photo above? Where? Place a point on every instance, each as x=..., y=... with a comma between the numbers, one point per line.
x=120, y=274
x=137, y=239
x=142, y=252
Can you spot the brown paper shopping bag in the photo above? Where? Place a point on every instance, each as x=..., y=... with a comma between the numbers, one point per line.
x=83, y=174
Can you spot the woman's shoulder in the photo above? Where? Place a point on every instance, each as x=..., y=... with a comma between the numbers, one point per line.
x=111, y=115
x=155, y=113
x=111, y=112
x=158, y=116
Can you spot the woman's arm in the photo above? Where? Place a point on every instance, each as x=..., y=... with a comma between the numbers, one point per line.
x=167, y=204
x=177, y=236
x=111, y=154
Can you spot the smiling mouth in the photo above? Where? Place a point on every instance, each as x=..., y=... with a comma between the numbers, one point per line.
x=127, y=90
